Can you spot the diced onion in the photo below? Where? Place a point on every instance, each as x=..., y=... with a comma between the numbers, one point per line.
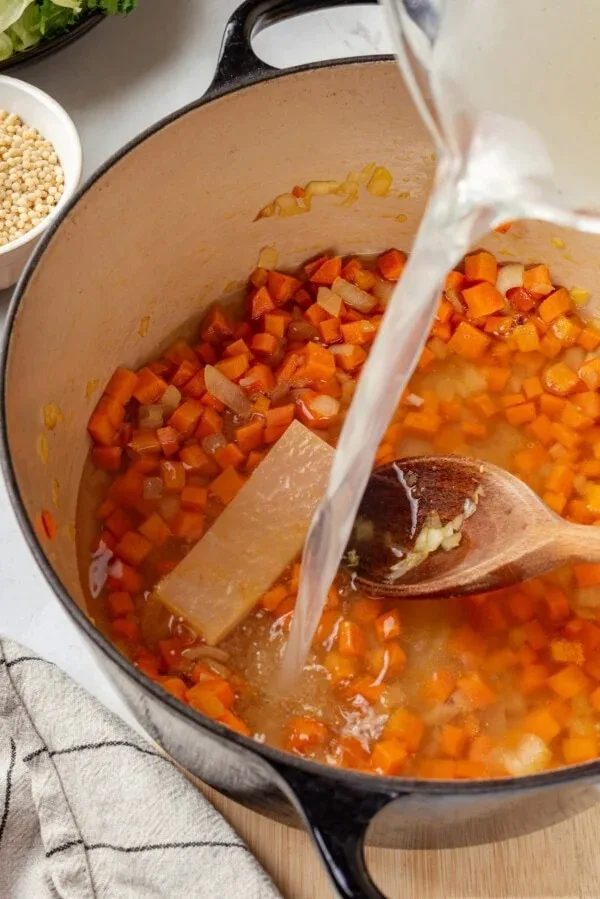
x=384, y=290
x=509, y=276
x=454, y=298
x=300, y=329
x=321, y=188
x=380, y=182
x=206, y=652
x=353, y=295
x=413, y=400
x=153, y=488
x=150, y=417
x=169, y=507
x=230, y=394
x=324, y=406
x=329, y=301
x=213, y=442
x=170, y=400
x=530, y=756
x=341, y=349
x=267, y=258
x=574, y=357
x=288, y=205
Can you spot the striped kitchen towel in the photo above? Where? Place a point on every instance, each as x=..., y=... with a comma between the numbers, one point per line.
x=89, y=809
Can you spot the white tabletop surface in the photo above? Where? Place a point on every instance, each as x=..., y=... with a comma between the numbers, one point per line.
x=114, y=82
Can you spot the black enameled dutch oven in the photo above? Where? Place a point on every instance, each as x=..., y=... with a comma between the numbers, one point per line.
x=164, y=228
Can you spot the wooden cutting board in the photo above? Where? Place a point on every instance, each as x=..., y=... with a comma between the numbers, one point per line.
x=561, y=862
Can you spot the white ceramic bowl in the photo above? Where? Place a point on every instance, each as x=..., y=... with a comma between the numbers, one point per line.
x=44, y=114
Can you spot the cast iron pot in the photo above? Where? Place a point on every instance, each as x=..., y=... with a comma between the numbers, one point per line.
x=163, y=229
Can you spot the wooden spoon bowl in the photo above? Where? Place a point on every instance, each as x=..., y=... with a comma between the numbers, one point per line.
x=510, y=537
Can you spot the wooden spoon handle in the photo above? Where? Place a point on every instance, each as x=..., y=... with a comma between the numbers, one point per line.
x=579, y=543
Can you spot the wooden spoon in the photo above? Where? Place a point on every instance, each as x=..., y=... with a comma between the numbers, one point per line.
x=510, y=537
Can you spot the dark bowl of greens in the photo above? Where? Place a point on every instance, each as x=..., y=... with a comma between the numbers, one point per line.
x=30, y=29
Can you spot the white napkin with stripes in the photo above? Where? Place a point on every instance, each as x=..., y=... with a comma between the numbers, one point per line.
x=88, y=809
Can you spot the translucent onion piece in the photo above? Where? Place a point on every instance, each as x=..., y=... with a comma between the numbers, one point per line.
x=153, y=488
x=267, y=258
x=213, y=442
x=169, y=506
x=206, y=652
x=170, y=400
x=383, y=290
x=324, y=406
x=331, y=302
x=150, y=417
x=509, y=276
x=353, y=295
x=230, y=394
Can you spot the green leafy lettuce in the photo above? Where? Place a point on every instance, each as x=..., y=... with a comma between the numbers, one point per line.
x=24, y=23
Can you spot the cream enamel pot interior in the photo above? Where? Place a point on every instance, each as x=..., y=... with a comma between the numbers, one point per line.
x=161, y=231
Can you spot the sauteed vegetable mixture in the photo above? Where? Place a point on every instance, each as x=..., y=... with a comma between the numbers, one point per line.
x=496, y=684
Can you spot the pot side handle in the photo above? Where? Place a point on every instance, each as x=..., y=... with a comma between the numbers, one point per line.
x=337, y=816
x=238, y=65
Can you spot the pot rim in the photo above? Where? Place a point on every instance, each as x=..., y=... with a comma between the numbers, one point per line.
x=399, y=785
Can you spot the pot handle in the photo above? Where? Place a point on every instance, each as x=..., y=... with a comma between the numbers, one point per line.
x=337, y=816
x=238, y=65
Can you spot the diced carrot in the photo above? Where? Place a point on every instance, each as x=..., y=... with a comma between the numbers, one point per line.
x=282, y=287
x=387, y=660
x=210, y=423
x=439, y=687
x=574, y=418
x=229, y=455
x=586, y=574
x=149, y=387
x=555, y=304
x=262, y=302
x=173, y=476
x=253, y=461
x=569, y=682
x=438, y=769
x=454, y=281
x=595, y=699
x=205, y=700
x=124, y=577
x=126, y=629
x=196, y=386
x=305, y=734
x=557, y=604
x=550, y=346
x=497, y=378
x=519, y=415
x=388, y=757
x=481, y=266
x=533, y=677
x=475, y=690
x=264, y=344
x=133, y=548
x=526, y=337
x=567, y=436
x=121, y=385
x=579, y=749
x=552, y=406
x=329, y=330
x=184, y=373
x=280, y=416
x=317, y=363
x=468, y=342
x=128, y=489
x=537, y=280
x=112, y=408
x=118, y=523
x=348, y=356
x=560, y=479
x=101, y=430
x=187, y=524
x=590, y=374
x=169, y=440
x=155, y=529
x=351, y=639
x=391, y=264
x=482, y=299
x=234, y=367
x=120, y=604
x=258, y=378
x=327, y=271
x=453, y=740
x=405, y=726
x=194, y=498
x=196, y=461
x=227, y=485
x=234, y=722
x=567, y=651
x=589, y=403
x=426, y=423
x=276, y=323
x=589, y=339
x=250, y=436
x=107, y=458
x=273, y=597
x=217, y=325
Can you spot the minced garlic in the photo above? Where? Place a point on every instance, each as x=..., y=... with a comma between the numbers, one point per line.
x=31, y=177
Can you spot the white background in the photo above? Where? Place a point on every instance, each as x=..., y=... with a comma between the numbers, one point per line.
x=115, y=82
